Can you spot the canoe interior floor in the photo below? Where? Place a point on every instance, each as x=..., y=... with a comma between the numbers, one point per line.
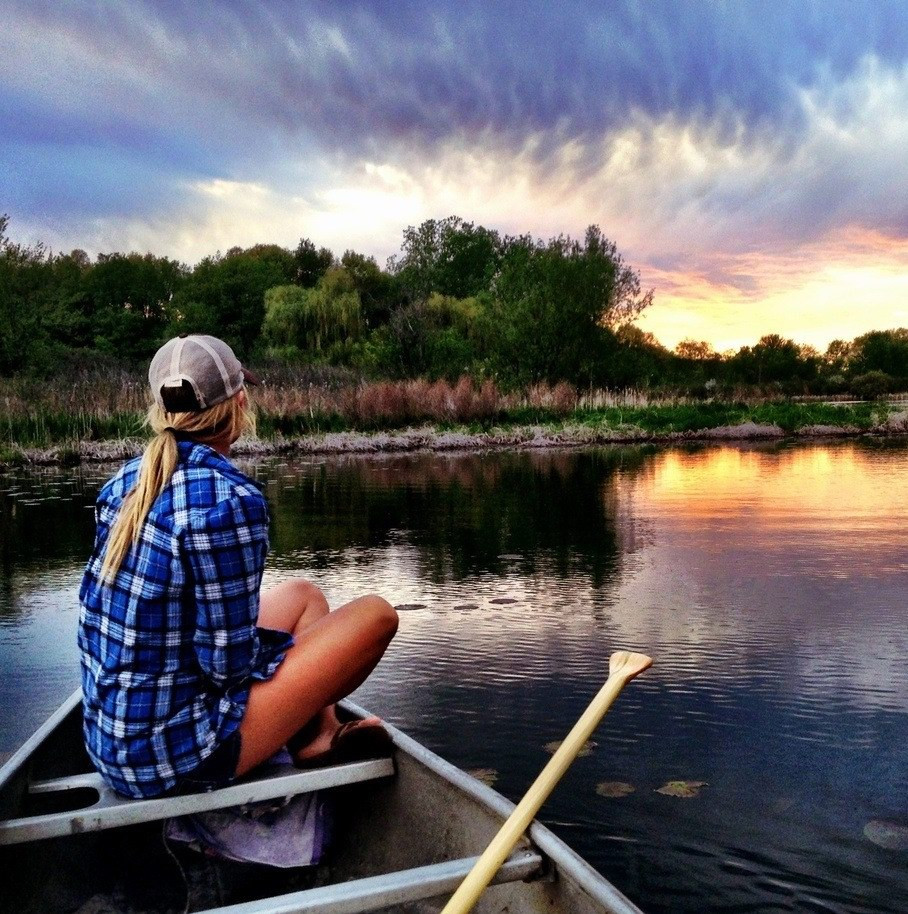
x=415, y=819
x=131, y=870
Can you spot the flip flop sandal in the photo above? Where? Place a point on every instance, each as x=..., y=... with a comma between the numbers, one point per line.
x=354, y=741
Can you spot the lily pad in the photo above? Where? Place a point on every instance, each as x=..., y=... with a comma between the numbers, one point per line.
x=683, y=789
x=465, y=607
x=890, y=835
x=503, y=601
x=585, y=749
x=406, y=607
x=614, y=788
x=487, y=776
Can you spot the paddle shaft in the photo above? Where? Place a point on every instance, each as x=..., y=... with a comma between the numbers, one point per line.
x=624, y=666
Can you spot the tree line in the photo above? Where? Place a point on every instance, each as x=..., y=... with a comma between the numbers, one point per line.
x=459, y=299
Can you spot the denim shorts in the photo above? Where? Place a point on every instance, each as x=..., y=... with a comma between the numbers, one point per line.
x=218, y=770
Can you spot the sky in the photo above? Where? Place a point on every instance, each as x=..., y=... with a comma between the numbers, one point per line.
x=750, y=159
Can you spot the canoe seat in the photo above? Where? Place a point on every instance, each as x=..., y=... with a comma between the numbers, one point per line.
x=110, y=810
x=376, y=893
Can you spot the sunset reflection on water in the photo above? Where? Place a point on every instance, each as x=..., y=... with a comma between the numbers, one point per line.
x=848, y=492
x=768, y=581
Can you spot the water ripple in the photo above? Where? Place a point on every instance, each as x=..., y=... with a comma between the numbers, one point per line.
x=769, y=583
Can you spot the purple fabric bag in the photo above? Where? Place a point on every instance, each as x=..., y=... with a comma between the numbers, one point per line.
x=284, y=832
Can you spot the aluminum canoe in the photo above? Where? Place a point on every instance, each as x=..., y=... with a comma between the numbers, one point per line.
x=407, y=831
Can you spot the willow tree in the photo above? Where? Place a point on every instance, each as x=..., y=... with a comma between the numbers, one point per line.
x=317, y=320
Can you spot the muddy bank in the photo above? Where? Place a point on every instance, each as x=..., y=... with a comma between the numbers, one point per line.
x=432, y=439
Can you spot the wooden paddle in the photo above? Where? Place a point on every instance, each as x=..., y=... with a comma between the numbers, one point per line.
x=622, y=668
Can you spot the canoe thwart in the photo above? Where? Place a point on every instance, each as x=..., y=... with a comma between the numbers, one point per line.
x=110, y=810
x=375, y=893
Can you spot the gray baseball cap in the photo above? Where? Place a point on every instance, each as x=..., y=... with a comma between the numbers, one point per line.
x=192, y=372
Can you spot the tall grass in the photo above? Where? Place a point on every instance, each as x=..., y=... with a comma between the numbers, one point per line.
x=84, y=406
x=110, y=404
x=42, y=428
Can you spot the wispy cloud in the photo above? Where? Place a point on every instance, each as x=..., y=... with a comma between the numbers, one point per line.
x=708, y=139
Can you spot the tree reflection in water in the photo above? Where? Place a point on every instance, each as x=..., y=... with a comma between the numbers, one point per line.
x=464, y=514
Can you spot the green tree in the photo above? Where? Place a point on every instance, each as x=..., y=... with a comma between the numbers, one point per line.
x=775, y=359
x=375, y=287
x=881, y=350
x=635, y=359
x=552, y=308
x=837, y=357
x=225, y=295
x=314, y=322
x=311, y=263
x=68, y=318
x=872, y=385
x=25, y=289
x=129, y=295
x=435, y=337
x=448, y=256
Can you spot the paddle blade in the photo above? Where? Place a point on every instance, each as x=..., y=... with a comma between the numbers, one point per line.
x=627, y=664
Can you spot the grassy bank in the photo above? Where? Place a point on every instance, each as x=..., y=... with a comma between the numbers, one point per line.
x=662, y=419
x=103, y=418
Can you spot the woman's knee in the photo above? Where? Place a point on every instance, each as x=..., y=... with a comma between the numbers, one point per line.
x=382, y=616
x=302, y=594
x=292, y=603
x=306, y=592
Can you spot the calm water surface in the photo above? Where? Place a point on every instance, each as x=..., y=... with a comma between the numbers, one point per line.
x=769, y=584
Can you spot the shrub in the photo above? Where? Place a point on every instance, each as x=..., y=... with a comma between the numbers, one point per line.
x=835, y=384
x=11, y=457
x=872, y=385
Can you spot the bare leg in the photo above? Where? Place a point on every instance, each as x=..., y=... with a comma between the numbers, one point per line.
x=293, y=606
x=333, y=654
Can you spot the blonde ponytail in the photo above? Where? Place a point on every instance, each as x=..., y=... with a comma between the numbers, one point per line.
x=224, y=422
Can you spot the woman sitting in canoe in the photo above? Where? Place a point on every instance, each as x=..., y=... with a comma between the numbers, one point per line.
x=191, y=676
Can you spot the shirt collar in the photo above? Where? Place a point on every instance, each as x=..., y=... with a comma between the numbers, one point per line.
x=194, y=453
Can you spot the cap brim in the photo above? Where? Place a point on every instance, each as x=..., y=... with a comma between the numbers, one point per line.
x=251, y=378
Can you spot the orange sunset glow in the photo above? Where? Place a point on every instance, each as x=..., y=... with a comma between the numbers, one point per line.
x=782, y=494
x=838, y=289
x=755, y=181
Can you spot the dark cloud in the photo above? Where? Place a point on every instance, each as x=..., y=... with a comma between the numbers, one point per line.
x=361, y=74
x=120, y=99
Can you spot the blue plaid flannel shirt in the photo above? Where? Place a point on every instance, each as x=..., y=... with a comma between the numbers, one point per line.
x=170, y=648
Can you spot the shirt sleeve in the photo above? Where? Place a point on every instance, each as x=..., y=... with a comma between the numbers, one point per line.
x=226, y=556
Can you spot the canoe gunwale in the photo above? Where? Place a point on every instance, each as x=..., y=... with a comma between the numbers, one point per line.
x=566, y=861
x=19, y=759
x=567, y=864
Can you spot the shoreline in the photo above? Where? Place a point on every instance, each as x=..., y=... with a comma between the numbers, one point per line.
x=430, y=439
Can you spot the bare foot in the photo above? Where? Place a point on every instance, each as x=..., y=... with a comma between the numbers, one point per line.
x=315, y=737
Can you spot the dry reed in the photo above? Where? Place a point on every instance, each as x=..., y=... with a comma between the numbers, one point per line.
x=109, y=404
